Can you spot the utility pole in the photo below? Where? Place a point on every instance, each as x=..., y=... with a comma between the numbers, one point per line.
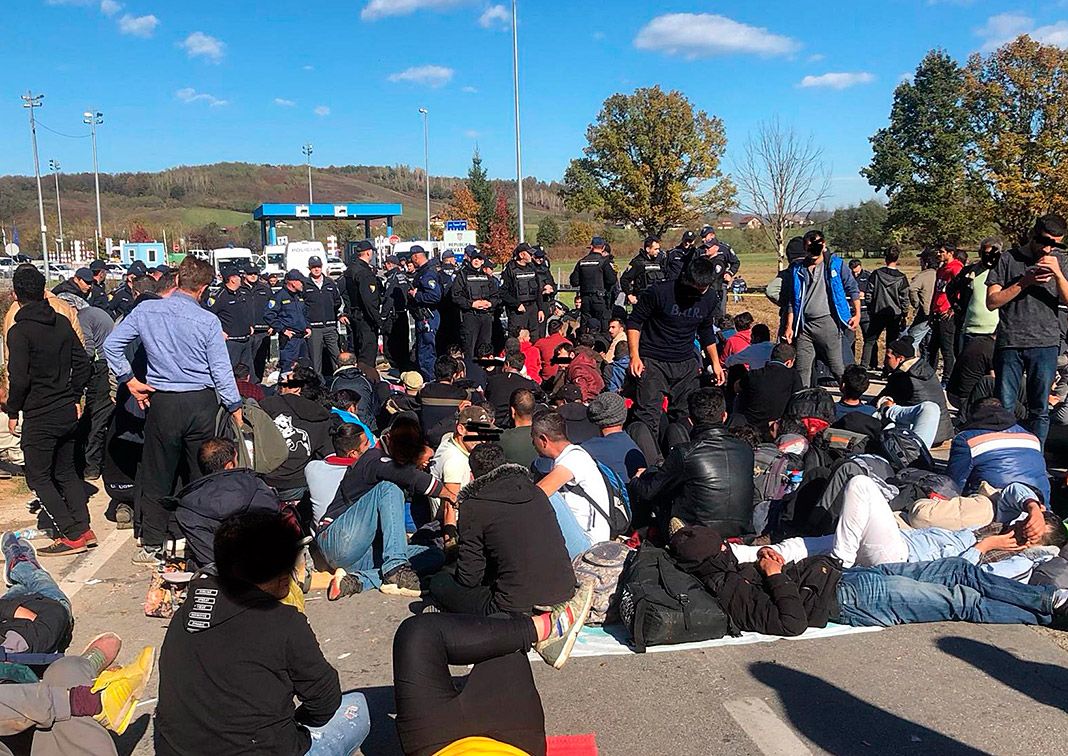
x=307, y=150
x=518, y=144
x=94, y=119
x=426, y=165
x=54, y=165
x=31, y=101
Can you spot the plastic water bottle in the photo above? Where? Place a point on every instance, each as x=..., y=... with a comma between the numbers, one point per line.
x=31, y=534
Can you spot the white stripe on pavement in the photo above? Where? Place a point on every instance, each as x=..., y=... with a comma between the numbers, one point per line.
x=769, y=733
x=96, y=559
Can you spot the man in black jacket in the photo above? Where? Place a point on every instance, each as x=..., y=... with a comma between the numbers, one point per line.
x=512, y=555
x=234, y=657
x=887, y=298
x=521, y=291
x=47, y=371
x=364, y=294
x=707, y=481
x=259, y=291
x=596, y=281
x=323, y=300
x=305, y=425
x=912, y=382
x=647, y=268
x=478, y=296
x=765, y=391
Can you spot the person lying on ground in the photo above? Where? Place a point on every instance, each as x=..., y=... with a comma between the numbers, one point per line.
x=234, y=657
x=35, y=614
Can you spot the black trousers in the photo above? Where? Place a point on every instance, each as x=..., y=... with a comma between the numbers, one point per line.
x=476, y=328
x=93, y=425
x=880, y=321
x=527, y=319
x=240, y=351
x=461, y=599
x=944, y=340
x=48, y=444
x=175, y=427
x=398, y=344
x=261, y=351
x=597, y=312
x=676, y=380
x=364, y=340
x=499, y=699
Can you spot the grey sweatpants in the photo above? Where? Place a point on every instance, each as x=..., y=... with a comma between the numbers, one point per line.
x=819, y=338
x=46, y=706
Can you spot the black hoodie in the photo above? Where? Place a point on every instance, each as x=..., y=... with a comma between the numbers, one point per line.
x=232, y=661
x=888, y=292
x=47, y=365
x=913, y=383
x=305, y=425
x=510, y=541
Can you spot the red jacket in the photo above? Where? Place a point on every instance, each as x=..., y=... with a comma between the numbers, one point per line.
x=546, y=346
x=941, y=304
x=532, y=355
x=736, y=343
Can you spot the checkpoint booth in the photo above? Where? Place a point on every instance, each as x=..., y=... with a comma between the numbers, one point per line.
x=269, y=214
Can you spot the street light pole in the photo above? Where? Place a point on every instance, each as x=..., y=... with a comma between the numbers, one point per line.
x=54, y=165
x=31, y=101
x=426, y=165
x=307, y=150
x=518, y=144
x=92, y=120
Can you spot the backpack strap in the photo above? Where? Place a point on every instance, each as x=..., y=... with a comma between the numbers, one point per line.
x=600, y=510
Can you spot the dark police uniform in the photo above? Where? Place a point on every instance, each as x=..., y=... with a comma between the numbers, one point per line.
x=643, y=272
x=677, y=259
x=424, y=305
x=286, y=312
x=98, y=297
x=476, y=326
x=395, y=322
x=259, y=293
x=120, y=301
x=726, y=261
x=545, y=277
x=233, y=308
x=323, y=301
x=521, y=285
x=364, y=292
x=596, y=280
x=449, y=327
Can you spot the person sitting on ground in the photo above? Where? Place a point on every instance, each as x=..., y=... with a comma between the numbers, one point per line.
x=854, y=415
x=764, y=392
x=450, y=463
x=224, y=490
x=324, y=475
x=854, y=385
x=305, y=426
x=547, y=346
x=234, y=657
x=346, y=402
x=742, y=337
x=757, y=354
x=245, y=385
x=993, y=447
x=512, y=556
x=499, y=387
x=531, y=355
x=708, y=480
x=613, y=448
x=911, y=382
x=516, y=442
x=617, y=332
x=370, y=500
x=440, y=399
x=363, y=381
x=615, y=372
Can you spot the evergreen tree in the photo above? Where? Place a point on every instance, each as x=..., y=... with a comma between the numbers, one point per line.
x=548, y=232
x=482, y=191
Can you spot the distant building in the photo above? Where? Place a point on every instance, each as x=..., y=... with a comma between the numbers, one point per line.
x=150, y=253
x=723, y=223
x=750, y=222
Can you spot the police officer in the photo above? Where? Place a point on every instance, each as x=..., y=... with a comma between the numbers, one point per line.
x=232, y=305
x=322, y=298
x=286, y=316
x=364, y=292
x=727, y=262
x=680, y=255
x=596, y=280
x=98, y=295
x=259, y=293
x=521, y=291
x=121, y=299
x=477, y=293
x=424, y=299
x=395, y=324
x=450, y=313
x=548, y=287
x=448, y=268
x=647, y=268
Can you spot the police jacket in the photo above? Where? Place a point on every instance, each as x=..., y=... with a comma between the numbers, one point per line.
x=120, y=301
x=323, y=300
x=520, y=285
x=396, y=285
x=470, y=285
x=364, y=293
x=677, y=259
x=545, y=278
x=98, y=296
x=259, y=294
x=642, y=272
x=594, y=274
x=428, y=291
x=731, y=263
x=234, y=311
x=286, y=312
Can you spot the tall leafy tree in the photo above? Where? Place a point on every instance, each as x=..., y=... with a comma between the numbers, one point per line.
x=858, y=230
x=548, y=231
x=651, y=160
x=482, y=191
x=920, y=159
x=463, y=206
x=501, y=238
x=1017, y=99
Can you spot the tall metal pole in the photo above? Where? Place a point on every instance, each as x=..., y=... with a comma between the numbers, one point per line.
x=518, y=144
x=54, y=165
x=426, y=165
x=307, y=150
x=94, y=119
x=31, y=101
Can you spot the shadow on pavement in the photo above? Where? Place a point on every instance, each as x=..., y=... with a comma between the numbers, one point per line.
x=1045, y=683
x=382, y=740
x=129, y=740
x=839, y=722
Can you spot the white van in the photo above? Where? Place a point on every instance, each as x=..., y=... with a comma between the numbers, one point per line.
x=299, y=252
x=227, y=256
x=274, y=256
x=432, y=248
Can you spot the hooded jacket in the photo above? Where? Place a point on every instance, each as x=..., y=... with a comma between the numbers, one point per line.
x=914, y=381
x=888, y=293
x=232, y=661
x=992, y=447
x=305, y=425
x=205, y=503
x=47, y=365
x=510, y=541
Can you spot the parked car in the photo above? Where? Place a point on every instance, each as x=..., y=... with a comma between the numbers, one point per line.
x=116, y=271
x=334, y=266
x=7, y=267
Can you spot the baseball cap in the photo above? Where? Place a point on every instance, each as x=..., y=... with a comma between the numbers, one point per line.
x=416, y=250
x=363, y=245
x=521, y=247
x=315, y=262
x=706, y=230
x=597, y=241
x=539, y=252
x=689, y=236
x=412, y=380
x=474, y=414
x=296, y=275
x=85, y=274
x=472, y=251
x=230, y=270
x=137, y=268
x=393, y=259
x=448, y=255
x=163, y=270
x=96, y=265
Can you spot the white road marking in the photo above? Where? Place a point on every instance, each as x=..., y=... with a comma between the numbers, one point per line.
x=92, y=563
x=764, y=727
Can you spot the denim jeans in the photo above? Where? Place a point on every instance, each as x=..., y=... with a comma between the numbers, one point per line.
x=1040, y=364
x=947, y=589
x=922, y=418
x=347, y=541
x=345, y=731
x=918, y=332
x=575, y=539
x=28, y=580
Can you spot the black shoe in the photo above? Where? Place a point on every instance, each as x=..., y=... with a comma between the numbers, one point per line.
x=342, y=584
x=124, y=517
x=401, y=581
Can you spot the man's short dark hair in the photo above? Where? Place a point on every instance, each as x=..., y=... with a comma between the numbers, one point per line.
x=406, y=440
x=28, y=283
x=587, y=340
x=143, y=285
x=707, y=406
x=783, y=353
x=550, y=424
x=484, y=349
x=241, y=372
x=986, y=402
x=194, y=273
x=515, y=361
x=892, y=254
x=166, y=282
x=486, y=457
x=811, y=236
x=522, y=401
x=854, y=382
x=215, y=454
x=702, y=272
x=444, y=368
x=345, y=398
x=256, y=547
x=347, y=438
x=1051, y=224
x=621, y=321
x=855, y=263
x=511, y=345
x=554, y=326
x=761, y=333
x=749, y=434
x=743, y=321
x=650, y=241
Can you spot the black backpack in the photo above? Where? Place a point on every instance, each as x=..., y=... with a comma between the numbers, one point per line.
x=662, y=605
x=811, y=402
x=902, y=448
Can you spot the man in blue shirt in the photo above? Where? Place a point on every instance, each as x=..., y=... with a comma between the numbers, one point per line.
x=287, y=316
x=425, y=298
x=189, y=376
x=613, y=446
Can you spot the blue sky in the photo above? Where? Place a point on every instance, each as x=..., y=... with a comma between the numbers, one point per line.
x=197, y=81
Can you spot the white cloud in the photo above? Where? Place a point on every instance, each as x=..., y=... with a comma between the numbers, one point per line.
x=470, y=90
x=431, y=76
x=700, y=35
x=308, y=68
x=837, y=80
x=201, y=45
x=138, y=26
x=472, y=134
x=1052, y=34
x=110, y=7
x=283, y=102
x=188, y=95
x=376, y=9
x=495, y=17
x=815, y=57
x=322, y=111
x=1005, y=27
